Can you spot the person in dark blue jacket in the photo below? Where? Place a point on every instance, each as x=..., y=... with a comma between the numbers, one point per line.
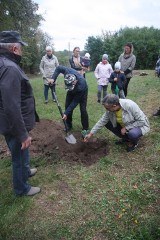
x=77, y=93
x=117, y=80
x=17, y=111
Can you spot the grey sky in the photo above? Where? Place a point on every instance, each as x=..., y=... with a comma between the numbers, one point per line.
x=70, y=23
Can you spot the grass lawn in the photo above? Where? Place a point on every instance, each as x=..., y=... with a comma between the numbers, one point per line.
x=114, y=199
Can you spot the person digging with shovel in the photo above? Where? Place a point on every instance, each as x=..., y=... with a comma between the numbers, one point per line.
x=77, y=93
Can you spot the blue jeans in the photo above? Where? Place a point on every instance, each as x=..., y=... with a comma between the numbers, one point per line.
x=46, y=89
x=20, y=165
x=132, y=135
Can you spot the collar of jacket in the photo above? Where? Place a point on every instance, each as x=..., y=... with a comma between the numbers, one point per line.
x=11, y=56
x=48, y=57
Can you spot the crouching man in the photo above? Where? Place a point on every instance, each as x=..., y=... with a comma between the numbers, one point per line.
x=124, y=118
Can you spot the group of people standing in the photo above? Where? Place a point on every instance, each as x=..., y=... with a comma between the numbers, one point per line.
x=120, y=77
x=18, y=114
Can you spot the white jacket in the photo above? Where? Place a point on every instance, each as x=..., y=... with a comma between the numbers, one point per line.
x=132, y=116
x=47, y=67
x=102, y=73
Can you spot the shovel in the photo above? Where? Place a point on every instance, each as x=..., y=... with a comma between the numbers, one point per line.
x=69, y=137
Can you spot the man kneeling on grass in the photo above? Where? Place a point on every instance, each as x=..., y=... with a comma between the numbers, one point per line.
x=124, y=118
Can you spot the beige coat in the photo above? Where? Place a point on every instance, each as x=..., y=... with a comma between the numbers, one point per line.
x=47, y=67
x=132, y=117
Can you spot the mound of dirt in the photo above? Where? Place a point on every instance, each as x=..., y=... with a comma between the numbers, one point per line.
x=48, y=141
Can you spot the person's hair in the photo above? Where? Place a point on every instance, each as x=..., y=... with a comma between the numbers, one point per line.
x=48, y=48
x=9, y=46
x=130, y=45
x=75, y=48
x=110, y=99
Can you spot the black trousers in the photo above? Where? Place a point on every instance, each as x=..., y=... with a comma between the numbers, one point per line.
x=116, y=130
x=83, y=105
x=126, y=86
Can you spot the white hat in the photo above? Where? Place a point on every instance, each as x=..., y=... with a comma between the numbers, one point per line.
x=87, y=55
x=117, y=65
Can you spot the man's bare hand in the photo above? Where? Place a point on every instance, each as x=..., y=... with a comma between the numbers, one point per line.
x=123, y=131
x=87, y=137
x=50, y=81
x=64, y=117
x=26, y=143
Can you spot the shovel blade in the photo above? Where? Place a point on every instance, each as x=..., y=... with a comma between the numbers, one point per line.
x=70, y=139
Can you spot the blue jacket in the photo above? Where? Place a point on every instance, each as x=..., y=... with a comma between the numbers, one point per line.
x=80, y=89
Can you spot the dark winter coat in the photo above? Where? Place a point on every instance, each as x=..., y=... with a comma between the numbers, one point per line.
x=121, y=80
x=17, y=104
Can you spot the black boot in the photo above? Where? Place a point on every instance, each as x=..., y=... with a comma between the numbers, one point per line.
x=157, y=113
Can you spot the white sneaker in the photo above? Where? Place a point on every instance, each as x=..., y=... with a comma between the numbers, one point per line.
x=33, y=191
x=32, y=172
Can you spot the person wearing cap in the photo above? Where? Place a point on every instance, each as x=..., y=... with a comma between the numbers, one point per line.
x=124, y=118
x=128, y=61
x=17, y=111
x=47, y=66
x=102, y=73
x=77, y=93
x=117, y=80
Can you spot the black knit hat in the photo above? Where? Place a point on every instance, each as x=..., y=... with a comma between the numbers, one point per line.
x=11, y=37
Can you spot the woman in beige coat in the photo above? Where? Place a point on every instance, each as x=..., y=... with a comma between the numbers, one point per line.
x=47, y=67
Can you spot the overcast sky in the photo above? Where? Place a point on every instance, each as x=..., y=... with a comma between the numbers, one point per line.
x=70, y=23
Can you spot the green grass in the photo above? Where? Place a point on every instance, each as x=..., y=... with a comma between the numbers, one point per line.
x=114, y=199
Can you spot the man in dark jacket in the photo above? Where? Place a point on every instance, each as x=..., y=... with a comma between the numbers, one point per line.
x=77, y=93
x=17, y=111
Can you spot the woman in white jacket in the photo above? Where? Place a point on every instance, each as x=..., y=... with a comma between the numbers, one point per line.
x=102, y=73
x=47, y=67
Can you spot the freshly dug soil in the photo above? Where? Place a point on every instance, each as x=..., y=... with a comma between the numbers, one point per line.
x=48, y=141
